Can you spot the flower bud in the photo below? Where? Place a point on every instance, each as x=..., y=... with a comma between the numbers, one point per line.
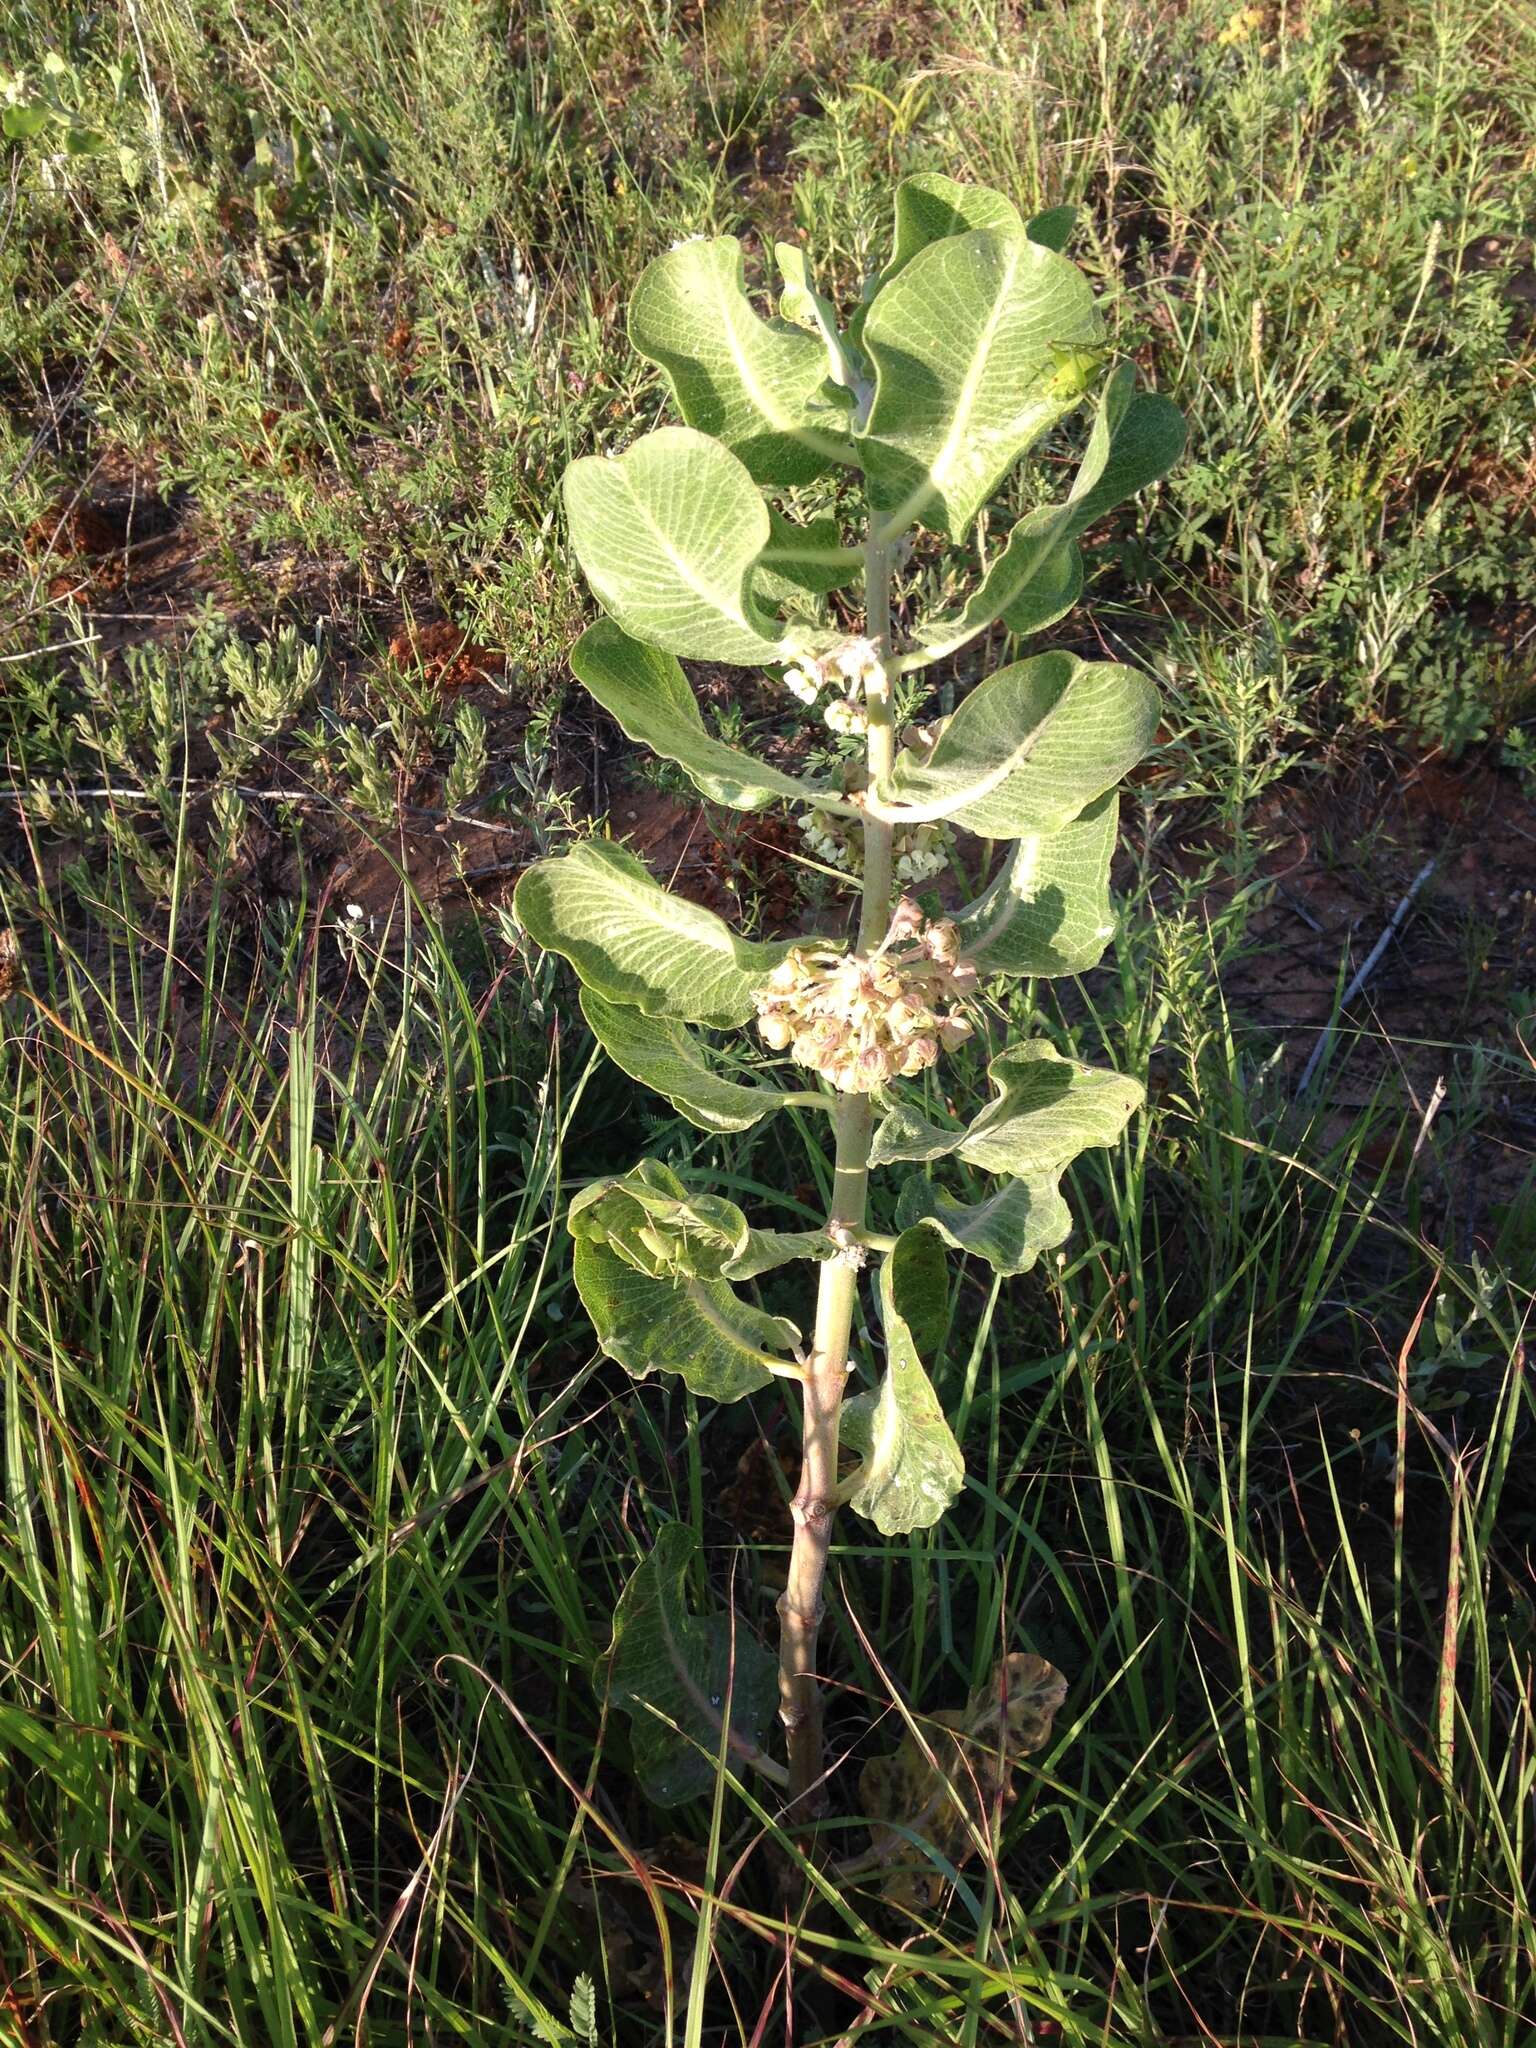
x=942, y=943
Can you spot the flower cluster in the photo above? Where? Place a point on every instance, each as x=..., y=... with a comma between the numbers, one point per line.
x=920, y=851
x=862, y=1021
x=849, y=668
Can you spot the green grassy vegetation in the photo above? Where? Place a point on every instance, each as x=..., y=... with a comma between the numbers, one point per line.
x=316, y=1501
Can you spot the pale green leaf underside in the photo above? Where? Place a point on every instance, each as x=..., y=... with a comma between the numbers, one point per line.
x=1046, y=1111
x=755, y=384
x=1048, y=911
x=802, y=305
x=964, y=344
x=912, y=1467
x=668, y=534
x=651, y=1220
x=647, y=692
x=698, y=1328
x=1038, y=575
x=635, y=942
x=931, y=207
x=1031, y=747
x=666, y=1665
x=1009, y=1228
x=662, y=1054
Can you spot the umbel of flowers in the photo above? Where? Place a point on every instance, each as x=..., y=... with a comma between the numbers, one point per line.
x=861, y=1019
x=729, y=539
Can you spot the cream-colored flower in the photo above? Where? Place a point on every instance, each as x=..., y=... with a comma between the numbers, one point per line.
x=861, y=1020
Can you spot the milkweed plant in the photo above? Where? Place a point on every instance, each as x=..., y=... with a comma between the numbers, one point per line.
x=809, y=453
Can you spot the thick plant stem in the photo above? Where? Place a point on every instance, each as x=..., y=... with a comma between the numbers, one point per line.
x=815, y=1502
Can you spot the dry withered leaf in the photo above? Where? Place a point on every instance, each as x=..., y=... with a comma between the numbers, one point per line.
x=973, y=1750
x=10, y=963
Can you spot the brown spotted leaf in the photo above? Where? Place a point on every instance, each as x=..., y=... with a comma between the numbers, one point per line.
x=936, y=1793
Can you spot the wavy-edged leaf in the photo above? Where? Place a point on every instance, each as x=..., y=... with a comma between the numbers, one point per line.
x=756, y=385
x=669, y=534
x=1136, y=438
x=673, y=1673
x=1047, y=911
x=965, y=342
x=931, y=208
x=937, y=1797
x=700, y=1329
x=912, y=1467
x=1045, y=1111
x=652, y=1221
x=1030, y=748
x=662, y=1054
x=647, y=692
x=1009, y=1228
x=635, y=942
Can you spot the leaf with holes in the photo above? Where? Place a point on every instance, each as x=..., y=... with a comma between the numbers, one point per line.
x=931, y=1806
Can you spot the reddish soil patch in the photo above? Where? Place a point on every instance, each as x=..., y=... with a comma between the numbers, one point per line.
x=445, y=653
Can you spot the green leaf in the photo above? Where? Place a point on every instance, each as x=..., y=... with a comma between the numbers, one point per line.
x=1053, y=228
x=652, y=1221
x=700, y=1329
x=932, y=208
x=1029, y=749
x=1048, y=911
x=754, y=384
x=802, y=305
x=912, y=1467
x=1036, y=580
x=662, y=1054
x=962, y=342
x=1038, y=575
x=647, y=692
x=806, y=560
x=635, y=942
x=668, y=534
x=1009, y=1228
x=1046, y=1110
x=19, y=123
x=673, y=1672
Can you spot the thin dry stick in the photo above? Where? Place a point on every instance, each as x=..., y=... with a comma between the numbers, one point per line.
x=801, y=1604
x=1367, y=969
